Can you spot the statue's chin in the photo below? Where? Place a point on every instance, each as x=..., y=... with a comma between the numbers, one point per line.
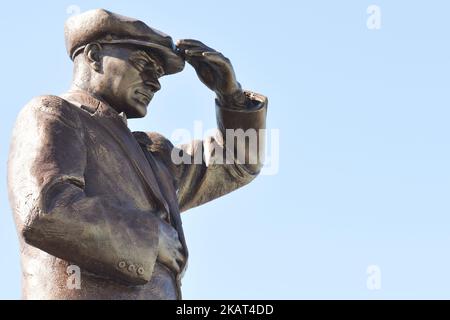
x=139, y=110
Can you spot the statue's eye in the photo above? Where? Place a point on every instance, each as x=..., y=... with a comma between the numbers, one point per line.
x=140, y=64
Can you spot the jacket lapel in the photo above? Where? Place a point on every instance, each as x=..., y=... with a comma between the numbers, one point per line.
x=111, y=122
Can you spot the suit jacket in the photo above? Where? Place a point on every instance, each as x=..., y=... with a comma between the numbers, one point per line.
x=87, y=191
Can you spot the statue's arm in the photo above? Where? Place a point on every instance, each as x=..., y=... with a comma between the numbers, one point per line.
x=225, y=165
x=53, y=212
x=220, y=164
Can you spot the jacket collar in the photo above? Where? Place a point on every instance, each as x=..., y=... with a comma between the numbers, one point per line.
x=94, y=106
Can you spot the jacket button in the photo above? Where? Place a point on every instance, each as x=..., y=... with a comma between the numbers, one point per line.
x=122, y=264
x=132, y=268
x=140, y=271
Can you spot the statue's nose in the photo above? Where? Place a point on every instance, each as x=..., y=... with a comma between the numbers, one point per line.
x=153, y=84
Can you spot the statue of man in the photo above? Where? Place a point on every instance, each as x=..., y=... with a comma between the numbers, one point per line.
x=88, y=193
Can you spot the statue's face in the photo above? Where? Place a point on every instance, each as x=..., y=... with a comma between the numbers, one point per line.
x=130, y=79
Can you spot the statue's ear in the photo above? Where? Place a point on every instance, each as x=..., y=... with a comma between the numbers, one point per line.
x=92, y=55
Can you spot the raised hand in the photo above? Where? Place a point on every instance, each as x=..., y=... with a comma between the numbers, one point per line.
x=213, y=69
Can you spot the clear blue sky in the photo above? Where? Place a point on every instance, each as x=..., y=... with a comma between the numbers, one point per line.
x=363, y=116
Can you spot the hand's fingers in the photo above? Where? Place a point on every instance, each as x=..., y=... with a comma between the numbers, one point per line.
x=202, y=56
x=191, y=43
x=194, y=53
x=216, y=57
x=211, y=55
x=196, y=59
x=176, y=267
x=211, y=58
x=177, y=260
x=170, y=262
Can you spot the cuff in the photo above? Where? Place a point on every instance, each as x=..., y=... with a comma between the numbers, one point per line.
x=252, y=115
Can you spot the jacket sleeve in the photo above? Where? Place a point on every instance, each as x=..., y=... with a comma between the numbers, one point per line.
x=53, y=213
x=208, y=169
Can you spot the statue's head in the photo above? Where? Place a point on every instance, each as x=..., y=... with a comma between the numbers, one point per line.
x=126, y=77
x=119, y=59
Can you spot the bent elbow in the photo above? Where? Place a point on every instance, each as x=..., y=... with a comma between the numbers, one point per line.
x=31, y=230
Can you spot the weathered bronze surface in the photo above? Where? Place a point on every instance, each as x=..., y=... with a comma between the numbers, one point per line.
x=87, y=191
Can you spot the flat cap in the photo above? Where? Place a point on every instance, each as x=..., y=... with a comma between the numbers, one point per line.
x=106, y=27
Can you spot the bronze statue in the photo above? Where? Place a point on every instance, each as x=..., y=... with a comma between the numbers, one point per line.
x=87, y=191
